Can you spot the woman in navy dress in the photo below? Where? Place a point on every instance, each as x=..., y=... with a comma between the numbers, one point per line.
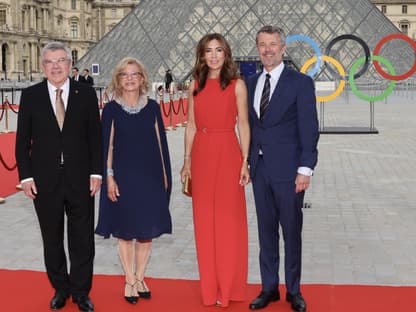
x=134, y=199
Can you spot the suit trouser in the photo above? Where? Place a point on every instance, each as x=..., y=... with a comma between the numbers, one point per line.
x=79, y=209
x=277, y=202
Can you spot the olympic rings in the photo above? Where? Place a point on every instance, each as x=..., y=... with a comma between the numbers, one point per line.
x=340, y=69
x=361, y=42
x=363, y=96
x=364, y=61
x=314, y=45
x=378, y=48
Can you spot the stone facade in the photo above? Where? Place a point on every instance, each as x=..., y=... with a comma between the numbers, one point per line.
x=27, y=25
x=401, y=13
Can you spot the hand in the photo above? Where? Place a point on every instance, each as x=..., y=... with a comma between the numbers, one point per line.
x=112, y=189
x=29, y=188
x=165, y=180
x=95, y=184
x=186, y=170
x=302, y=182
x=244, y=174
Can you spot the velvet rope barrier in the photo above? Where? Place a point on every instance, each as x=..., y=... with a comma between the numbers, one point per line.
x=6, y=102
x=5, y=165
x=172, y=103
x=183, y=106
x=164, y=110
x=2, y=110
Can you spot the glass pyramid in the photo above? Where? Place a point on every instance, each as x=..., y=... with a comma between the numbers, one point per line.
x=163, y=34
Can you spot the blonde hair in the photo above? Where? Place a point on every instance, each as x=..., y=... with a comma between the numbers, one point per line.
x=115, y=86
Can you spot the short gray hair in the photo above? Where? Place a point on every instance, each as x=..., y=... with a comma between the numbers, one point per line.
x=54, y=46
x=272, y=30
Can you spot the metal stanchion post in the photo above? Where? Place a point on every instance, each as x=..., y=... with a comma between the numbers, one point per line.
x=6, y=115
x=172, y=126
x=322, y=115
x=162, y=102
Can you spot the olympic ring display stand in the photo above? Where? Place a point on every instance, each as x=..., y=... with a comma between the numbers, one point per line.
x=354, y=73
x=330, y=86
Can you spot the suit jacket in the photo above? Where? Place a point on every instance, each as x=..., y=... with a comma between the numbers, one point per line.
x=40, y=142
x=88, y=80
x=288, y=134
x=80, y=78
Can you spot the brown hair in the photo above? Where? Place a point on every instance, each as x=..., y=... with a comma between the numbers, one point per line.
x=115, y=86
x=269, y=29
x=200, y=70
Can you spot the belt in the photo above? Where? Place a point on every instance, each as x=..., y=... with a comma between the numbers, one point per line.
x=211, y=130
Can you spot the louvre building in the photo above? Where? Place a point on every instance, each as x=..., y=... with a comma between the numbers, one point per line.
x=163, y=34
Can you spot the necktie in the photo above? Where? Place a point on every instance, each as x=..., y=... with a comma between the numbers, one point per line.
x=60, y=108
x=264, y=102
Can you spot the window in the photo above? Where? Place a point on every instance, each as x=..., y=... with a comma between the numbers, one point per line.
x=74, y=56
x=74, y=30
x=404, y=27
x=113, y=13
x=384, y=9
x=2, y=17
x=404, y=9
x=73, y=4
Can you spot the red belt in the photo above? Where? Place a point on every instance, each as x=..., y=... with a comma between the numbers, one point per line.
x=206, y=130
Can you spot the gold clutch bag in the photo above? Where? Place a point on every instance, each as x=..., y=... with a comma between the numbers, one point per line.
x=187, y=186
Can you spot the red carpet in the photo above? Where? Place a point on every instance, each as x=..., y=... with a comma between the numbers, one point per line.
x=8, y=179
x=30, y=291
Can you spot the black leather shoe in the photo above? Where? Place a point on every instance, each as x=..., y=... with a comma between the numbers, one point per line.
x=84, y=304
x=297, y=302
x=264, y=299
x=58, y=300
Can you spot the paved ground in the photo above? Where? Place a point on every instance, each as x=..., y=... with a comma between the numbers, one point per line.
x=360, y=229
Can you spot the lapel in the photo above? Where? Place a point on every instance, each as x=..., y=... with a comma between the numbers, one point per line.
x=251, y=89
x=277, y=106
x=72, y=102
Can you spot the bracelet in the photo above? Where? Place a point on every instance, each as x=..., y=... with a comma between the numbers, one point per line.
x=110, y=172
x=187, y=156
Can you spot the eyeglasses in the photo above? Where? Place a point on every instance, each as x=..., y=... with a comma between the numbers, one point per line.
x=134, y=75
x=59, y=61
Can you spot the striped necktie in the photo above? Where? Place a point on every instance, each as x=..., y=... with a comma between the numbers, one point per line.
x=265, y=96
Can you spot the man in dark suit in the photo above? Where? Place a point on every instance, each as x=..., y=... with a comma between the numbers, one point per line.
x=87, y=78
x=168, y=80
x=58, y=153
x=76, y=76
x=283, y=153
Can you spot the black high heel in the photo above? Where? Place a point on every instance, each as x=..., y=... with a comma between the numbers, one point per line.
x=144, y=294
x=131, y=299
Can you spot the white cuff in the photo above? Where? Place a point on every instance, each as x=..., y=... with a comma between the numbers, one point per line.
x=26, y=180
x=305, y=171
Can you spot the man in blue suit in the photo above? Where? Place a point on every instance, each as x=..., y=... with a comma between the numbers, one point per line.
x=283, y=154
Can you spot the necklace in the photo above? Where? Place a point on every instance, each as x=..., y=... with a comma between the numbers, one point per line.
x=141, y=103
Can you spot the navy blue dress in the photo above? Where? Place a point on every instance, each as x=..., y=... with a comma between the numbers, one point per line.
x=142, y=209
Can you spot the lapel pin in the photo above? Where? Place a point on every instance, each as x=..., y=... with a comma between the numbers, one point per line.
x=76, y=91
